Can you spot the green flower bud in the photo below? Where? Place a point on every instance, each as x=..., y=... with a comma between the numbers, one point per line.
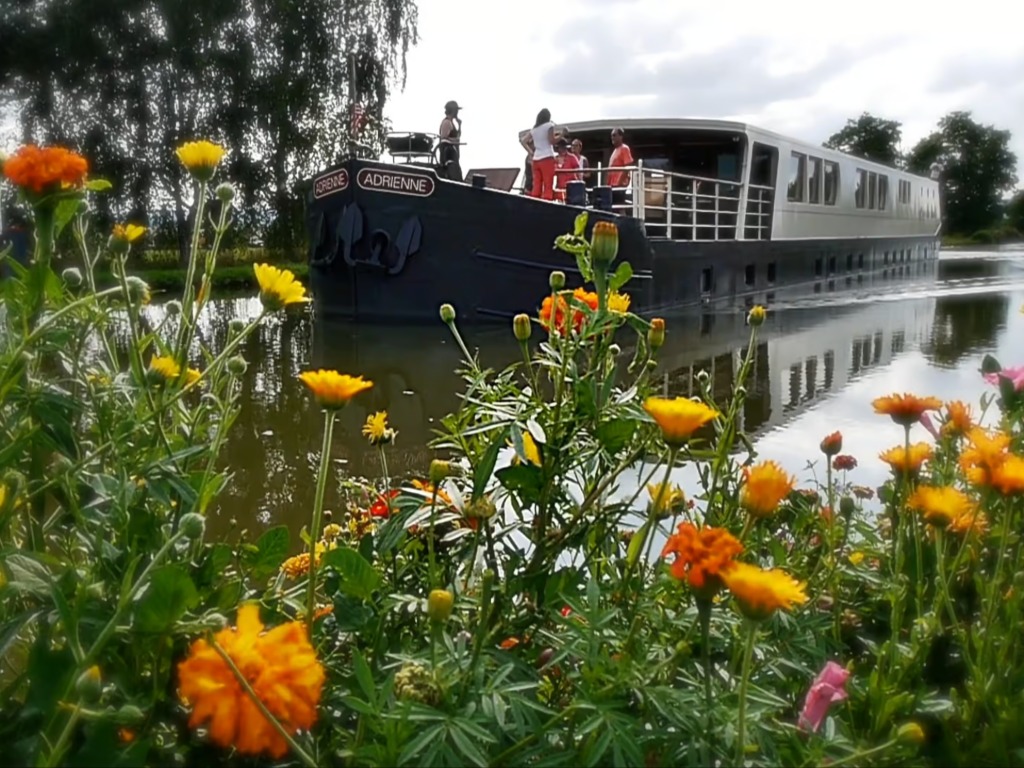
x=173, y=308
x=225, y=192
x=138, y=290
x=756, y=316
x=847, y=507
x=129, y=714
x=193, y=525
x=439, y=470
x=83, y=207
x=89, y=685
x=656, y=333
x=72, y=277
x=604, y=245
x=447, y=313
x=237, y=365
x=439, y=605
x=521, y=327
x=911, y=733
x=235, y=326
x=557, y=280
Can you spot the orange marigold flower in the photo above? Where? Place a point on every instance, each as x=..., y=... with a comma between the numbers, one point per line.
x=333, y=390
x=427, y=488
x=679, y=417
x=45, y=169
x=701, y=556
x=902, y=462
x=1008, y=476
x=940, y=506
x=765, y=485
x=958, y=419
x=984, y=452
x=905, y=409
x=762, y=592
x=281, y=667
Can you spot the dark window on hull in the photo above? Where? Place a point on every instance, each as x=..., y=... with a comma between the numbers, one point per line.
x=749, y=275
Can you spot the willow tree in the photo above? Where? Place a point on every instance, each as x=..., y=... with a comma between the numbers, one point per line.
x=123, y=82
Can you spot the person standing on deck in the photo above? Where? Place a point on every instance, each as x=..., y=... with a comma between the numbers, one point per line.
x=567, y=167
x=622, y=157
x=449, y=134
x=540, y=141
x=577, y=149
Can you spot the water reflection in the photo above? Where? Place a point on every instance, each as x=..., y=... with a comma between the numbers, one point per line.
x=838, y=351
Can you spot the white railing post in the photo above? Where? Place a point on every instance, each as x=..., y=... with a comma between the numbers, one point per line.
x=718, y=186
x=639, y=199
x=694, y=186
x=668, y=207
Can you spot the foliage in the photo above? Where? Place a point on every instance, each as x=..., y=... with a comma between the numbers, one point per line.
x=978, y=168
x=870, y=137
x=129, y=80
x=1015, y=212
x=509, y=607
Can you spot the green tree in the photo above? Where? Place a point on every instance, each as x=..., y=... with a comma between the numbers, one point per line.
x=1015, y=211
x=124, y=81
x=870, y=137
x=977, y=169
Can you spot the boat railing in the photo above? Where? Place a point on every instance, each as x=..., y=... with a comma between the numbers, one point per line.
x=680, y=206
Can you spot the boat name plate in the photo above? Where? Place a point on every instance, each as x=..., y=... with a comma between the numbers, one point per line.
x=396, y=182
x=330, y=183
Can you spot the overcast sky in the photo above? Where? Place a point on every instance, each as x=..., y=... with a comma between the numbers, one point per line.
x=800, y=68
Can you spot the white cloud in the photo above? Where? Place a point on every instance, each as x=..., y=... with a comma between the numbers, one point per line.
x=793, y=66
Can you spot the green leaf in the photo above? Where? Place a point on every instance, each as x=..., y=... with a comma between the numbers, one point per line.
x=98, y=185
x=66, y=210
x=580, y=225
x=622, y=275
x=615, y=435
x=485, y=467
x=636, y=544
x=363, y=675
x=583, y=265
x=358, y=576
x=271, y=551
x=526, y=479
x=466, y=746
x=416, y=745
x=28, y=576
x=165, y=599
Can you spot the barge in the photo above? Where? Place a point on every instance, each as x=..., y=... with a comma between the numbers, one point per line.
x=715, y=214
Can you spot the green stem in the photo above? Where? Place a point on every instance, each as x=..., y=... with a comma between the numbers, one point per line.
x=704, y=608
x=860, y=755
x=302, y=754
x=431, y=579
x=190, y=276
x=741, y=727
x=318, y=512
x=57, y=752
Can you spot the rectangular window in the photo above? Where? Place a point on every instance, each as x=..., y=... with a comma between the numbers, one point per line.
x=831, y=182
x=883, y=191
x=814, y=181
x=872, y=190
x=762, y=165
x=861, y=188
x=797, y=177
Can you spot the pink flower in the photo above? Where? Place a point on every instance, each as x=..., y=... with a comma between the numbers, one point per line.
x=926, y=422
x=827, y=688
x=1015, y=375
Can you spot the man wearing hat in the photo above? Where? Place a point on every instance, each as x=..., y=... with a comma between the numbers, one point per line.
x=449, y=133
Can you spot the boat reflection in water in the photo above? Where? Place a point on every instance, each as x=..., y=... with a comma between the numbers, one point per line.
x=807, y=351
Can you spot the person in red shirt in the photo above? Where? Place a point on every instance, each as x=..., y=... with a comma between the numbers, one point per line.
x=622, y=157
x=567, y=168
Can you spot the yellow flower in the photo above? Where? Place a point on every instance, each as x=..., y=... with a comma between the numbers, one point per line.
x=163, y=369
x=673, y=499
x=618, y=302
x=201, y=158
x=762, y=592
x=902, y=463
x=128, y=232
x=376, y=429
x=679, y=417
x=192, y=375
x=278, y=287
x=332, y=531
x=333, y=390
x=1008, y=477
x=940, y=506
x=765, y=485
x=281, y=667
x=531, y=453
x=756, y=315
x=856, y=558
x=439, y=605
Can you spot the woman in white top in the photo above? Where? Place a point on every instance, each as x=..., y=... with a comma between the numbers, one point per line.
x=540, y=142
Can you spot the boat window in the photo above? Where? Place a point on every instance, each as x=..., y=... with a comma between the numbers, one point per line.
x=814, y=181
x=860, y=188
x=750, y=275
x=831, y=182
x=883, y=191
x=797, y=177
x=872, y=190
x=904, y=191
x=762, y=165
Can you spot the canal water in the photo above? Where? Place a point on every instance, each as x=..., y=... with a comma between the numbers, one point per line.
x=821, y=361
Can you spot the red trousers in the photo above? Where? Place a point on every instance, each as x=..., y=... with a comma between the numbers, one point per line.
x=544, y=178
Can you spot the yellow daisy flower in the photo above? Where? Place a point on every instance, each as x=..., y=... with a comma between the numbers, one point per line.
x=278, y=287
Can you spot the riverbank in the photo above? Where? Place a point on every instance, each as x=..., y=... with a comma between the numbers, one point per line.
x=233, y=276
x=999, y=236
